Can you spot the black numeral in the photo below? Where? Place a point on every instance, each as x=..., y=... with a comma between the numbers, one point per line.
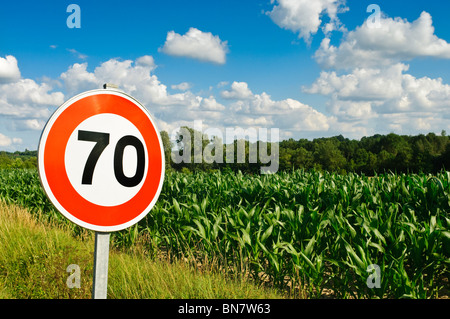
x=118, y=161
x=102, y=140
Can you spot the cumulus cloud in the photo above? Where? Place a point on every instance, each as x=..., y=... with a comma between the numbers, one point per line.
x=146, y=61
x=395, y=40
x=8, y=141
x=361, y=83
x=366, y=78
x=211, y=104
x=305, y=16
x=132, y=77
x=136, y=78
x=196, y=44
x=34, y=124
x=244, y=109
x=29, y=103
x=28, y=99
x=77, y=79
x=367, y=93
x=4, y=140
x=9, y=70
x=25, y=105
x=239, y=90
x=261, y=110
x=27, y=91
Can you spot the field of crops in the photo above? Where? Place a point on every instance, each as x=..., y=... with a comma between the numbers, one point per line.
x=315, y=231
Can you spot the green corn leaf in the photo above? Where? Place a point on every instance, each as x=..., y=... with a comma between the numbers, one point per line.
x=309, y=247
x=308, y=261
x=354, y=256
x=176, y=206
x=246, y=237
x=201, y=229
x=378, y=235
x=266, y=234
x=377, y=246
x=203, y=205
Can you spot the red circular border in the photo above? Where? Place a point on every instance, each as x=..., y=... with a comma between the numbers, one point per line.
x=54, y=164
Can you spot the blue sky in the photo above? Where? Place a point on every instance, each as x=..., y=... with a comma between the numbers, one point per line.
x=309, y=68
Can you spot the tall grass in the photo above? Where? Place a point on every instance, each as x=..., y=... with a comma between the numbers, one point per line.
x=34, y=257
x=313, y=230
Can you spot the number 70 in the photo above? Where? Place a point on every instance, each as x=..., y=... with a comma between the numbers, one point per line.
x=102, y=141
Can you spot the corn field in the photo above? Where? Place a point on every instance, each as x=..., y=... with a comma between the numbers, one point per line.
x=313, y=231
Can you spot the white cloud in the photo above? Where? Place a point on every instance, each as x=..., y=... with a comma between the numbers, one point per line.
x=261, y=110
x=28, y=99
x=367, y=93
x=196, y=44
x=7, y=141
x=146, y=61
x=412, y=123
x=77, y=79
x=297, y=116
x=183, y=86
x=9, y=70
x=394, y=41
x=239, y=90
x=305, y=16
x=34, y=124
x=25, y=105
x=369, y=88
x=361, y=84
x=28, y=92
x=136, y=78
x=211, y=104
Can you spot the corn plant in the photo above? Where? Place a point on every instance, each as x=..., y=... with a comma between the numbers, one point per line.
x=313, y=229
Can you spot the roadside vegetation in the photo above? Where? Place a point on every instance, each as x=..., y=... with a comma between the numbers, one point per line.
x=308, y=233
x=34, y=256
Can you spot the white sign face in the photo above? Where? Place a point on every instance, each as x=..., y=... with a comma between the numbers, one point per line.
x=101, y=160
x=104, y=188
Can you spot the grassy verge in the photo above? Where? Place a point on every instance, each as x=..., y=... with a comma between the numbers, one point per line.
x=34, y=257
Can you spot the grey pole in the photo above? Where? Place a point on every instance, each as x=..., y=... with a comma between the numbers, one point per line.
x=101, y=257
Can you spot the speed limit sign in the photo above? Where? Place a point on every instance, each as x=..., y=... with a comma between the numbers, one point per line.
x=101, y=160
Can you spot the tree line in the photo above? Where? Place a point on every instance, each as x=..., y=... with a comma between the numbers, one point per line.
x=375, y=154
x=25, y=159
x=370, y=155
x=428, y=153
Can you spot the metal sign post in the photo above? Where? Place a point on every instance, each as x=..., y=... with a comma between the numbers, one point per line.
x=101, y=257
x=88, y=174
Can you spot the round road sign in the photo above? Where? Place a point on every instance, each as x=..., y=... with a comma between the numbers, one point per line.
x=101, y=160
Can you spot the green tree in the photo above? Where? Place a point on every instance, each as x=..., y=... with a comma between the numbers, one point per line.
x=328, y=155
x=302, y=158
